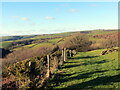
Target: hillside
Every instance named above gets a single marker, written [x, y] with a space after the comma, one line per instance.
[33, 55]
[36, 44]
[88, 70]
[14, 42]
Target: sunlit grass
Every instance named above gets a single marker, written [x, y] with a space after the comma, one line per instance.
[101, 32]
[42, 45]
[89, 70]
[5, 44]
[55, 40]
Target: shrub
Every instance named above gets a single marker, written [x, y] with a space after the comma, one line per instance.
[28, 75]
[109, 43]
[77, 41]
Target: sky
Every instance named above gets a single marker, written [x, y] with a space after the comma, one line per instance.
[25, 18]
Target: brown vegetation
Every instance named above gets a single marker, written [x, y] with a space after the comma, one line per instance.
[77, 41]
[106, 40]
[114, 35]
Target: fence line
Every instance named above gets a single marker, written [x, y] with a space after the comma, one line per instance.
[56, 62]
[42, 68]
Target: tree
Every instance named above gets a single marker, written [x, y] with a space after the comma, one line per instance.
[77, 41]
[109, 43]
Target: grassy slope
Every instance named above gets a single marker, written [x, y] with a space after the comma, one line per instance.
[49, 43]
[10, 38]
[95, 32]
[88, 70]
[55, 40]
[98, 32]
[5, 44]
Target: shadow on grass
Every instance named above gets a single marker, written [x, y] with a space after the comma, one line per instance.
[79, 76]
[61, 78]
[86, 63]
[98, 62]
[95, 82]
[117, 69]
[71, 66]
[71, 62]
[85, 57]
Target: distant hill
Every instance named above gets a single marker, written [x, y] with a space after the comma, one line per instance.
[9, 38]
[11, 42]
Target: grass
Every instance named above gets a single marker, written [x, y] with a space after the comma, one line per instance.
[88, 70]
[42, 44]
[5, 44]
[37, 45]
[26, 46]
[95, 32]
[55, 40]
[33, 46]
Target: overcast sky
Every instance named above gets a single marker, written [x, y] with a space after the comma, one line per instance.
[21, 18]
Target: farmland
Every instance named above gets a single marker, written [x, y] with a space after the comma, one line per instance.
[87, 69]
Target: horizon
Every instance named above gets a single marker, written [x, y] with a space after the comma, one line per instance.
[58, 32]
[28, 18]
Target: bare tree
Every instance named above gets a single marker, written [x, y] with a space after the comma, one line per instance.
[77, 41]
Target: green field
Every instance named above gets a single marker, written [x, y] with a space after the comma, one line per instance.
[5, 44]
[84, 70]
[38, 45]
[88, 70]
[95, 32]
[54, 38]
[42, 45]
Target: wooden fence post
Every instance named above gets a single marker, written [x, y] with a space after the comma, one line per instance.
[30, 70]
[65, 55]
[55, 62]
[48, 66]
[32, 66]
[70, 53]
[62, 56]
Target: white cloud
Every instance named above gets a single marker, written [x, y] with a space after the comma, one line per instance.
[74, 10]
[21, 18]
[24, 19]
[15, 16]
[49, 18]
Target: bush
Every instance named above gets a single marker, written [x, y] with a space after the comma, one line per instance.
[109, 43]
[104, 43]
[78, 41]
[28, 75]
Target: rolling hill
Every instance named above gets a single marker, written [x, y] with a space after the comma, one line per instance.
[87, 69]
